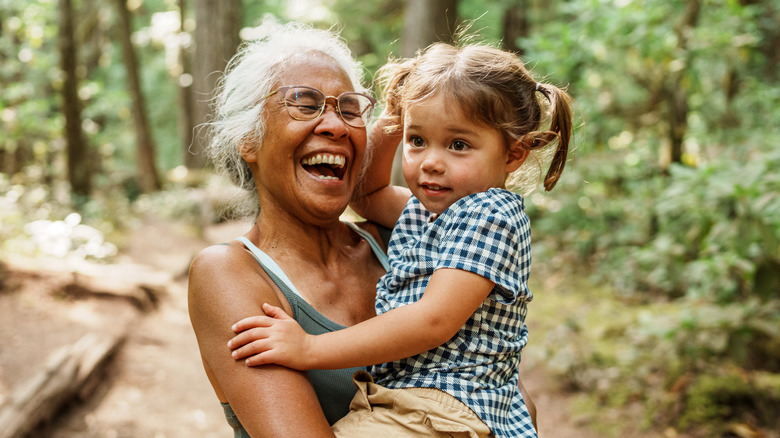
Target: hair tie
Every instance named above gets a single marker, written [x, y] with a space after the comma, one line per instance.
[538, 86]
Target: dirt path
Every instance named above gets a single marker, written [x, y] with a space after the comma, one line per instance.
[158, 388]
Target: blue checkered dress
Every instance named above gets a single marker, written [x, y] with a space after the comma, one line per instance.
[486, 233]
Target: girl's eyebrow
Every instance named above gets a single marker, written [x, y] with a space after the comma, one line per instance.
[451, 130]
[460, 131]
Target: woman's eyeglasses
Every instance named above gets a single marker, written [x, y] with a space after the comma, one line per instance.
[308, 103]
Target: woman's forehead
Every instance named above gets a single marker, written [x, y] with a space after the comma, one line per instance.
[314, 69]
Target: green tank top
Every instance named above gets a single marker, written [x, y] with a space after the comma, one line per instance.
[334, 388]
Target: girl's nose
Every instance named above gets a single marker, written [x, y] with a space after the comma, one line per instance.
[432, 161]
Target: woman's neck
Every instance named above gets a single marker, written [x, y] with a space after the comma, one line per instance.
[333, 268]
[277, 232]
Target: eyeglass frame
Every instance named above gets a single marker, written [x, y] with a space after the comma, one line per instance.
[337, 106]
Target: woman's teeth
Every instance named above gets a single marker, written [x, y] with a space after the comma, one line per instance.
[325, 166]
[335, 160]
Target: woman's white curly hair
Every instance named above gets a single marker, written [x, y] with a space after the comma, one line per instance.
[250, 76]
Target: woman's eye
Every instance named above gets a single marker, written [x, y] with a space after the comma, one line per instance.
[306, 109]
[458, 145]
[416, 141]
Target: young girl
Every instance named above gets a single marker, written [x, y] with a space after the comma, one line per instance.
[452, 308]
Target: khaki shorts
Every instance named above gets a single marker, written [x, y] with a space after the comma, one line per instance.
[379, 412]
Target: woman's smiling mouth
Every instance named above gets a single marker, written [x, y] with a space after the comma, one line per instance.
[325, 166]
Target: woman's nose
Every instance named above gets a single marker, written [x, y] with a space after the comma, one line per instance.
[331, 124]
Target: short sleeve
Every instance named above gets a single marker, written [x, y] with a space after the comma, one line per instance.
[490, 237]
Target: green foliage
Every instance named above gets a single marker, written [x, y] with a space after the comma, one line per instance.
[717, 401]
[707, 232]
[689, 362]
[692, 248]
[29, 66]
[708, 228]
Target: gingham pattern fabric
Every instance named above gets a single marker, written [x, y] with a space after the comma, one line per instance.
[486, 233]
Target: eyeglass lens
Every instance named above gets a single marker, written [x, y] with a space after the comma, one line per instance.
[308, 103]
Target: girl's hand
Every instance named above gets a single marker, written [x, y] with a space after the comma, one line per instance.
[276, 338]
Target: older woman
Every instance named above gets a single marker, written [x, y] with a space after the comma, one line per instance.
[290, 128]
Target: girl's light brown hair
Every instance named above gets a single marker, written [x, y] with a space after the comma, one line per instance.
[492, 87]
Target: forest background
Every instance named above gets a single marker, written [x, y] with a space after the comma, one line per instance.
[662, 241]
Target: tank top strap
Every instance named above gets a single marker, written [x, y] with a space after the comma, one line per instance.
[378, 251]
[271, 268]
[283, 281]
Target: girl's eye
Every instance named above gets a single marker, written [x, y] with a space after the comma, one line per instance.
[416, 141]
[458, 145]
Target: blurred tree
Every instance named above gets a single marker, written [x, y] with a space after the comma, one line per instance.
[216, 40]
[184, 82]
[371, 43]
[148, 178]
[78, 156]
[428, 21]
[425, 22]
[516, 25]
[675, 89]
[769, 26]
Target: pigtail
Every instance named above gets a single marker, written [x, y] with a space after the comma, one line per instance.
[561, 126]
[560, 117]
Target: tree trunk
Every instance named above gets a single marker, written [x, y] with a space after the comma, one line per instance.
[425, 22]
[148, 179]
[70, 373]
[516, 26]
[677, 91]
[216, 40]
[678, 118]
[78, 159]
[428, 21]
[184, 82]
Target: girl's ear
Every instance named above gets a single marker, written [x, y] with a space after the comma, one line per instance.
[516, 157]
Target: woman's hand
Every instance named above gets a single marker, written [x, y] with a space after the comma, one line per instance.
[276, 338]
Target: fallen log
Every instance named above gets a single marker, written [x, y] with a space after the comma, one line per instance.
[71, 372]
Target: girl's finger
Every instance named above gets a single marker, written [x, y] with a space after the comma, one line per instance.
[246, 337]
[251, 322]
[275, 312]
[252, 348]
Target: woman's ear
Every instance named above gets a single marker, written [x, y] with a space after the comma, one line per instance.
[248, 151]
[516, 157]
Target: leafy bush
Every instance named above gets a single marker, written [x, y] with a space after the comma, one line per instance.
[712, 231]
[693, 365]
[729, 399]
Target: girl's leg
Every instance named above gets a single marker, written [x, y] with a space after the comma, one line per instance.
[377, 412]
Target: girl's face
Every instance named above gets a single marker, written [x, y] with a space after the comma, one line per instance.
[447, 156]
[307, 169]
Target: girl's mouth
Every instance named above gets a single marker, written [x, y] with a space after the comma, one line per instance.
[325, 166]
[433, 187]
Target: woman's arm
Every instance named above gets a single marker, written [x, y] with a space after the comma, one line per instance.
[226, 284]
[375, 199]
[451, 297]
[529, 403]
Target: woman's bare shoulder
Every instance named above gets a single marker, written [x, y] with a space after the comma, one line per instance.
[226, 281]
